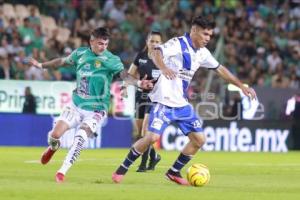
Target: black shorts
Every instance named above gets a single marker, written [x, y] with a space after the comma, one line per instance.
[142, 104]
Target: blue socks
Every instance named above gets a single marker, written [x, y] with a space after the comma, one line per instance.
[181, 161]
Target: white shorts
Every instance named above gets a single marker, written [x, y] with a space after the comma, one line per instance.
[75, 116]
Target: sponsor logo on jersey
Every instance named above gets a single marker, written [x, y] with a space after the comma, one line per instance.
[155, 73]
[97, 64]
[142, 61]
[185, 74]
[84, 73]
[87, 66]
[157, 123]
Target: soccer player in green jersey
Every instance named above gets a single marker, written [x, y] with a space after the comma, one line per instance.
[95, 68]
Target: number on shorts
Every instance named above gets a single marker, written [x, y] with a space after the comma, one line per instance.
[68, 114]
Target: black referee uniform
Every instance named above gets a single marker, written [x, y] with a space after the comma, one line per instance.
[145, 66]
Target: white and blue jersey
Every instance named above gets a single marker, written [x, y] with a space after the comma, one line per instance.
[181, 57]
[171, 95]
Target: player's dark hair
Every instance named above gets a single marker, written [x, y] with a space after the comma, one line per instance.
[154, 33]
[203, 22]
[100, 32]
[150, 34]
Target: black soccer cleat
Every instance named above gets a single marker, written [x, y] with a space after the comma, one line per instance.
[154, 162]
[141, 169]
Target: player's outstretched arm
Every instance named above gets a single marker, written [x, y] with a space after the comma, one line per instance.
[131, 80]
[228, 76]
[57, 62]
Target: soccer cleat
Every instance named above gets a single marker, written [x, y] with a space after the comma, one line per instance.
[176, 177]
[141, 169]
[47, 155]
[154, 162]
[117, 178]
[59, 177]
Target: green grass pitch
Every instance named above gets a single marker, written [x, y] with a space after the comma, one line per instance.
[238, 176]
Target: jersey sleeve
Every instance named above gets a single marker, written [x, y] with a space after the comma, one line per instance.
[72, 58]
[116, 65]
[209, 62]
[170, 48]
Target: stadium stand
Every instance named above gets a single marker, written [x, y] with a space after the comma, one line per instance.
[260, 37]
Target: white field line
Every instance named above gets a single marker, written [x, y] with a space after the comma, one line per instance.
[114, 161]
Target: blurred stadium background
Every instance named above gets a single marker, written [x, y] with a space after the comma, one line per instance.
[258, 40]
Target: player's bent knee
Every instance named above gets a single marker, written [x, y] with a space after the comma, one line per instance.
[152, 137]
[59, 129]
[199, 141]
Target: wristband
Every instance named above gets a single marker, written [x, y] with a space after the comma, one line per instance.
[40, 65]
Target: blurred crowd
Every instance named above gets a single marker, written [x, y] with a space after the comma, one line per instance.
[260, 39]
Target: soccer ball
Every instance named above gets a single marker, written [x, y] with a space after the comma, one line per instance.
[198, 175]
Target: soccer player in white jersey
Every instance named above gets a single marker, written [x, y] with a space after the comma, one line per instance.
[178, 59]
